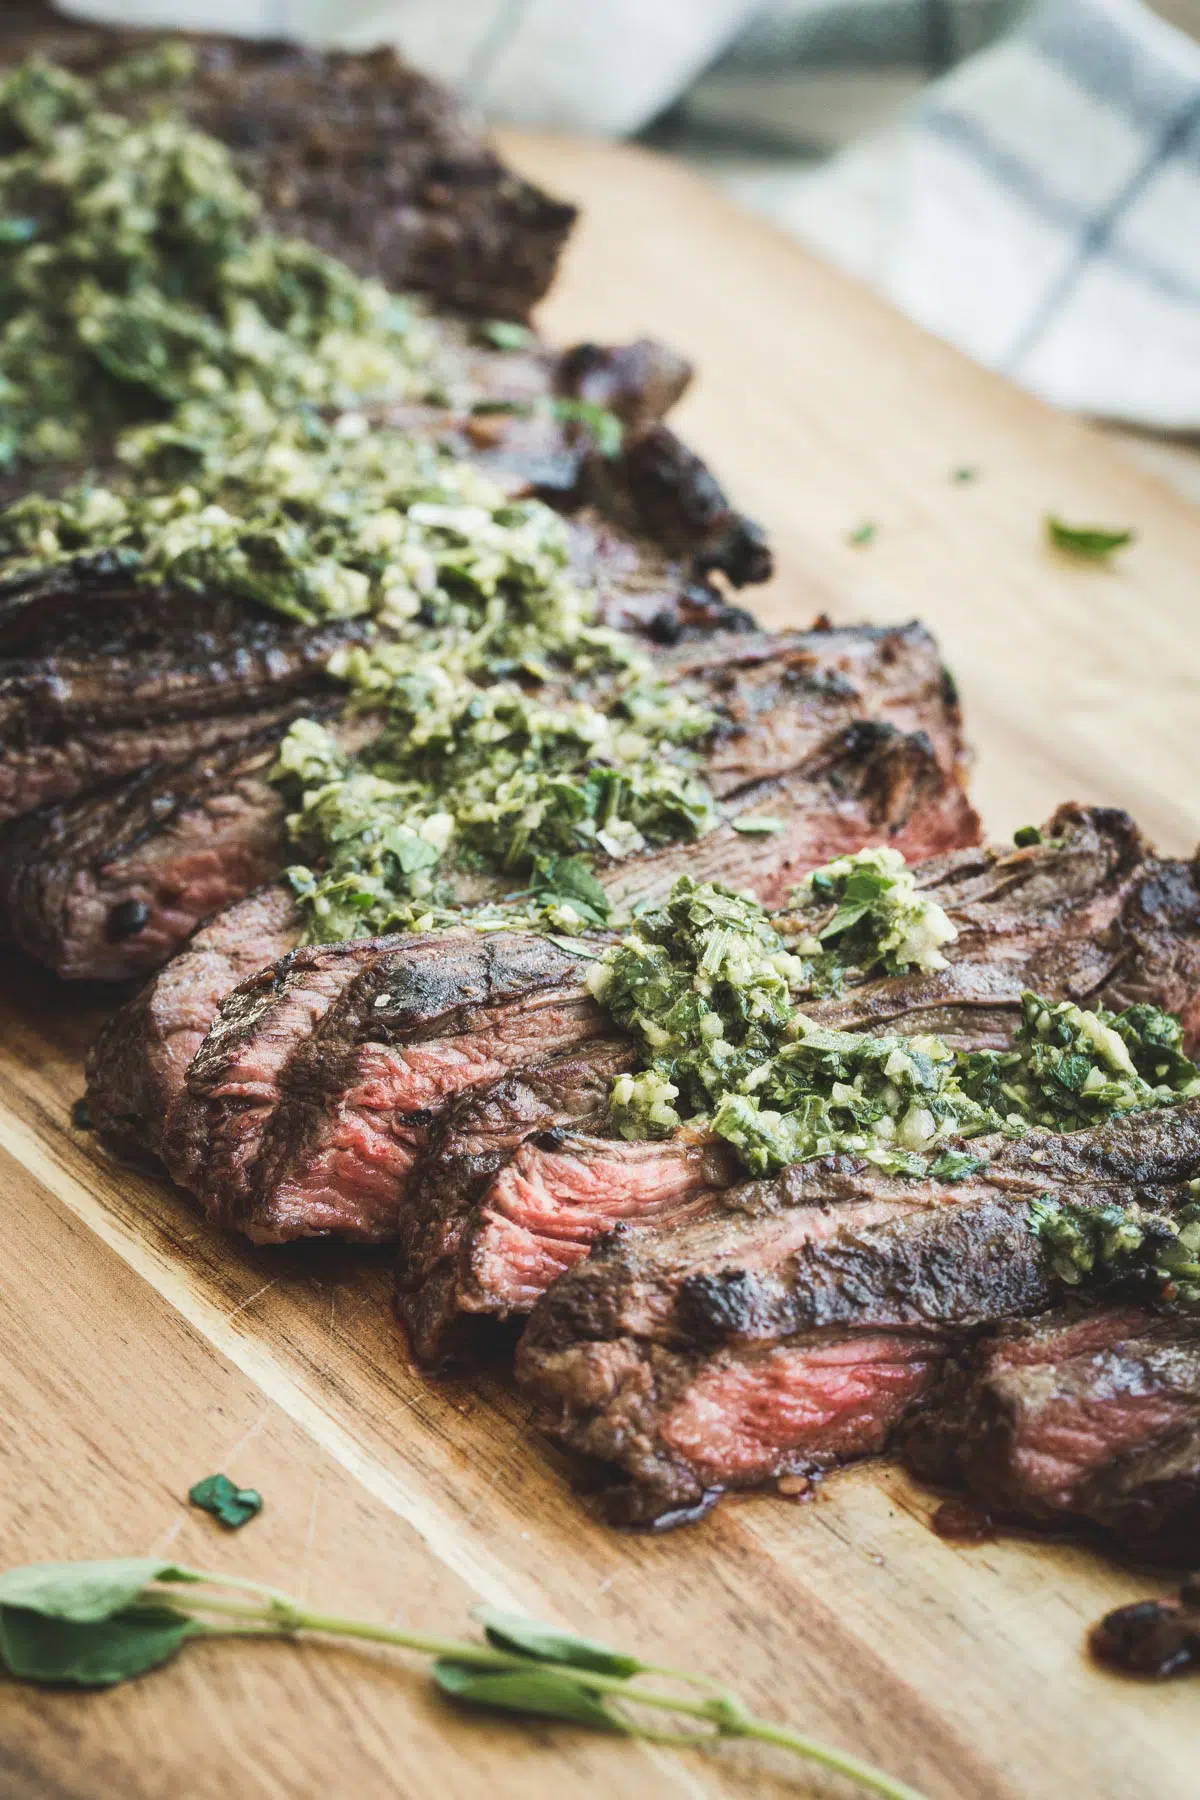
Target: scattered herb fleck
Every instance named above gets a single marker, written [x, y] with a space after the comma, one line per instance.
[1092, 543]
[506, 334]
[1026, 836]
[759, 825]
[965, 473]
[98, 1624]
[233, 1506]
[863, 534]
[81, 1115]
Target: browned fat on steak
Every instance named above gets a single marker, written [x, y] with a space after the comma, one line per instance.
[1067, 917]
[311, 1099]
[359, 154]
[696, 1356]
[1075, 1418]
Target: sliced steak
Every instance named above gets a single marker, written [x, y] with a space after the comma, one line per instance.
[103, 681]
[1089, 1419]
[137, 1066]
[110, 885]
[359, 154]
[343, 1077]
[645, 1354]
[870, 784]
[1051, 916]
[475, 1141]
[497, 1244]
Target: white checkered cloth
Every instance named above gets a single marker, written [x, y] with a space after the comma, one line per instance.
[1040, 208]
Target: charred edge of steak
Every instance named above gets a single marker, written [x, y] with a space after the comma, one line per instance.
[137, 1067]
[1080, 1418]
[359, 154]
[635, 1354]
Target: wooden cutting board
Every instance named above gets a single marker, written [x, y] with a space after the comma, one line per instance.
[140, 1350]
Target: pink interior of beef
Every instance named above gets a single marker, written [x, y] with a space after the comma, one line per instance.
[1075, 1432]
[351, 1176]
[748, 1416]
[547, 1208]
[1067, 1338]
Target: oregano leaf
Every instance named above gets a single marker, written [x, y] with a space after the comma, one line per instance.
[232, 1505]
[525, 1637]
[101, 1652]
[536, 1692]
[85, 1591]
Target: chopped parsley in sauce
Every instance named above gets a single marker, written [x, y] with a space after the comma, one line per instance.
[711, 987]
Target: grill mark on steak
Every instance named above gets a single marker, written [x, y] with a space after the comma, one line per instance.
[108, 687]
[649, 1330]
[359, 154]
[1088, 1418]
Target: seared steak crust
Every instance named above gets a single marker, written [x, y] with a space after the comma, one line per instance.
[651, 1329]
[137, 1066]
[312, 1097]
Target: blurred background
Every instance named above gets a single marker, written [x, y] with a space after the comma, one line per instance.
[1022, 179]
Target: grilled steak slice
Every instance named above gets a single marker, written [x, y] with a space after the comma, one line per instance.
[137, 1066]
[473, 1144]
[339, 1102]
[110, 885]
[490, 1247]
[789, 745]
[636, 1352]
[359, 154]
[1089, 1418]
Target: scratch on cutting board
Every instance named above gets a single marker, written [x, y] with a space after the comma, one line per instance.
[249, 1301]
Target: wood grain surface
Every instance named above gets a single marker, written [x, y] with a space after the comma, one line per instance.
[139, 1349]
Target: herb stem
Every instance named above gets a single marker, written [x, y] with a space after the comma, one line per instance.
[283, 1616]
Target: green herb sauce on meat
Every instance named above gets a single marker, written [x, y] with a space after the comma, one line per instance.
[711, 987]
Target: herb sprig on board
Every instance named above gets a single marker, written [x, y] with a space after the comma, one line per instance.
[96, 1624]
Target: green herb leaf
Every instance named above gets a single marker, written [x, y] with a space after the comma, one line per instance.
[759, 826]
[956, 1165]
[1091, 542]
[506, 334]
[537, 1692]
[233, 1506]
[570, 879]
[866, 533]
[35, 1647]
[525, 1637]
[85, 1591]
[1026, 836]
[965, 473]
[81, 1115]
[608, 433]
